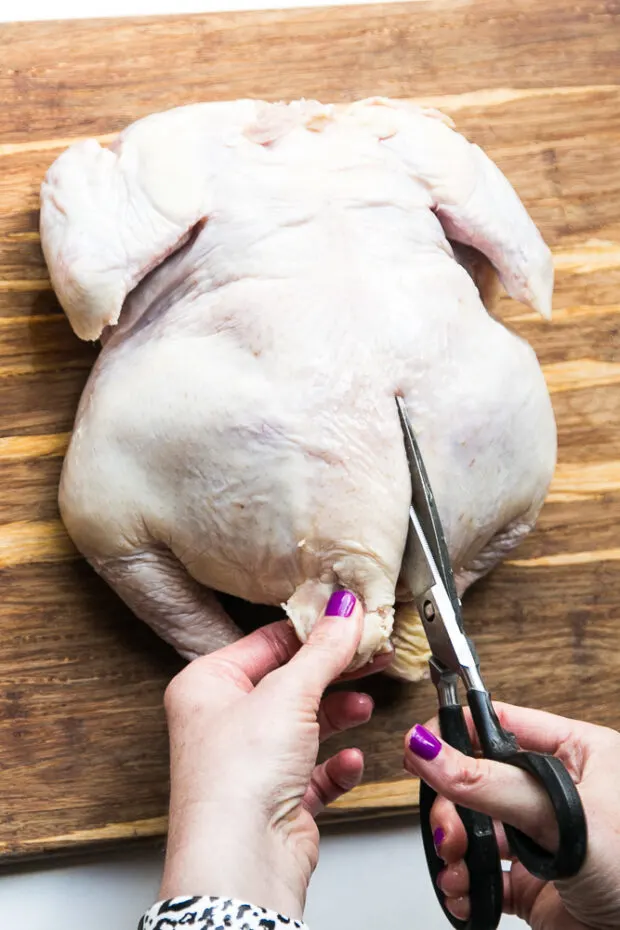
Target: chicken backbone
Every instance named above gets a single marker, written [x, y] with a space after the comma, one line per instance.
[264, 280]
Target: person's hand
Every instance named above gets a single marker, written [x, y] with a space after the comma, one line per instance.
[245, 725]
[591, 900]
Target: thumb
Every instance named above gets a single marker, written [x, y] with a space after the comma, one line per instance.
[330, 646]
[504, 792]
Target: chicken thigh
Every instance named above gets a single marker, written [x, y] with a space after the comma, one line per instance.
[265, 279]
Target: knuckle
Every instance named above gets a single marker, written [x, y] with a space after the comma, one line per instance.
[471, 776]
[188, 689]
[175, 695]
[573, 754]
[217, 666]
[319, 640]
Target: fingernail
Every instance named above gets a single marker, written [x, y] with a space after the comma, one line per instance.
[424, 744]
[438, 838]
[340, 604]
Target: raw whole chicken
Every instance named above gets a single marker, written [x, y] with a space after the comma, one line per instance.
[265, 279]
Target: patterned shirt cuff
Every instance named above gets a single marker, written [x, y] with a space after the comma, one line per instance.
[216, 914]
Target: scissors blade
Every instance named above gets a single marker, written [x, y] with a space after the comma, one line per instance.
[417, 572]
[428, 574]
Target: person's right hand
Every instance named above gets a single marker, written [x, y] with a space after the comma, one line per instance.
[591, 900]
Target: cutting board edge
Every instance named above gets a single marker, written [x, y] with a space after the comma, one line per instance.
[370, 801]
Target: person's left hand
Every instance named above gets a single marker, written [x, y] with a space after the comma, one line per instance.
[245, 725]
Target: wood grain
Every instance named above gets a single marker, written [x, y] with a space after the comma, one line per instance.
[82, 735]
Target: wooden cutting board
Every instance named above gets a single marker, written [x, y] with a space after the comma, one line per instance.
[82, 735]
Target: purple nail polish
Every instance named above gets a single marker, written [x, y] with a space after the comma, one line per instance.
[438, 837]
[340, 604]
[423, 744]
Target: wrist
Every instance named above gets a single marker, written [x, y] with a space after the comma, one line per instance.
[211, 851]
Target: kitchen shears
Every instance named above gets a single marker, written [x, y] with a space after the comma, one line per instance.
[427, 572]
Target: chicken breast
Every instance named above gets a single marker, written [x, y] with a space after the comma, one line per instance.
[265, 278]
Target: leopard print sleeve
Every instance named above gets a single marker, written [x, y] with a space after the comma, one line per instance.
[215, 914]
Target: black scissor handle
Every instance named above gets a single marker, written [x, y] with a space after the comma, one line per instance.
[551, 774]
[570, 817]
[482, 857]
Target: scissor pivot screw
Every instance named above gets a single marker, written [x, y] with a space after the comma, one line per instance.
[429, 611]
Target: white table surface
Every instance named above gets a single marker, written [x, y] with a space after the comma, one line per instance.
[370, 877]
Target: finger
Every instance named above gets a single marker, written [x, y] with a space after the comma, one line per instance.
[342, 711]
[450, 836]
[505, 852]
[334, 778]
[459, 907]
[520, 891]
[330, 646]
[221, 677]
[254, 656]
[449, 833]
[504, 792]
[376, 665]
[454, 880]
[535, 730]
